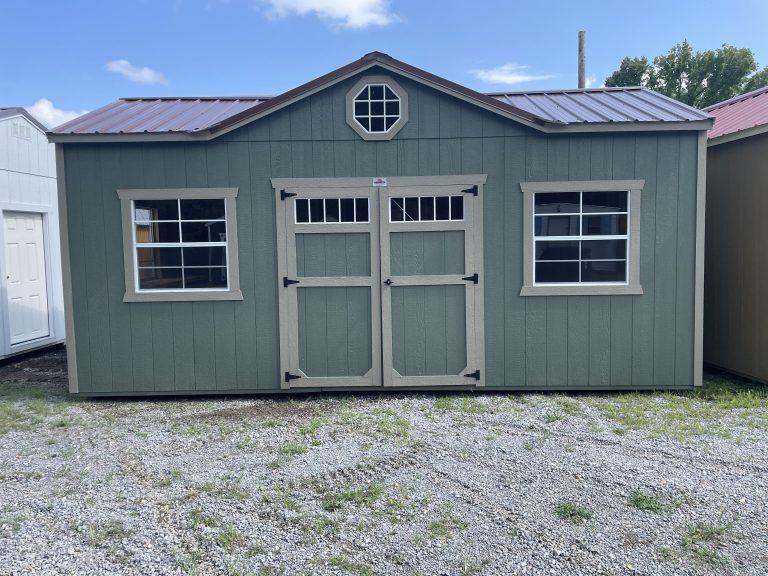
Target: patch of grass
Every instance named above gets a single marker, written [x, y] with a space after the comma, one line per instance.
[10, 524]
[360, 496]
[573, 512]
[553, 417]
[198, 518]
[464, 403]
[470, 567]
[702, 539]
[390, 423]
[188, 563]
[709, 410]
[344, 563]
[223, 488]
[99, 534]
[647, 501]
[445, 526]
[312, 426]
[665, 553]
[230, 538]
[287, 452]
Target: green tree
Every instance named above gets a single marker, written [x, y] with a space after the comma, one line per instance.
[695, 78]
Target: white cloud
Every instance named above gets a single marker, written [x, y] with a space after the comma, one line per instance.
[353, 14]
[509, 73]
[48, 114]
[139, 74]
[589, 81]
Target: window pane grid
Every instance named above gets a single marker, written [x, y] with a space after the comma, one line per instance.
[181, 280]
[376, 108]
[581, 269]
[426, 209]
[331, 211]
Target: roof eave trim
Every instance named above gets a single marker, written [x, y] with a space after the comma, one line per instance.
[740, 135]
[636, 126]
[200, 136]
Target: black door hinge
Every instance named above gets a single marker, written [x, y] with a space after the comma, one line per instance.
[284, 194]
[473, 190]
[474, 278]
[475, 375]
[289, 377]
[287, 281]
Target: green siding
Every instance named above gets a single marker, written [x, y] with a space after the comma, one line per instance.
[542, 342]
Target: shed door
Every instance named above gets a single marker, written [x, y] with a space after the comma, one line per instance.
[431, 269]
[25, 276]
[330, 296]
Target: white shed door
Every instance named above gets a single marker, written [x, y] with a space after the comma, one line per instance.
[25, 276]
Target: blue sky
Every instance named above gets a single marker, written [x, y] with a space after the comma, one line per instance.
[65, 57]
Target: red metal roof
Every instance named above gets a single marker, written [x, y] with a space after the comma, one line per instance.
[190, 115]
[592, 105]
[740, 113]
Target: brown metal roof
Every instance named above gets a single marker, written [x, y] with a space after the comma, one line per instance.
[635, 104]
[739, 114]
[209, 116]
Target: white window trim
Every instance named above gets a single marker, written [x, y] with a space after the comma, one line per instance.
[632, 284]
[133, 293]
[350, 107]
[384, 100]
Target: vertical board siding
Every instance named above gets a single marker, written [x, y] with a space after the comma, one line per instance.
[537, 342]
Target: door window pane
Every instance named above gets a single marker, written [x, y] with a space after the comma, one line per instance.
[331, 209]
[302, 210]
[457, 208]
[347, 209]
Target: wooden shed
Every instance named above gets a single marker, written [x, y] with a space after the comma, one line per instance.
[31, 297]
[383, 228]
[736, 287]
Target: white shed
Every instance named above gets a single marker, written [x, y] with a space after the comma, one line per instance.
[31, 301]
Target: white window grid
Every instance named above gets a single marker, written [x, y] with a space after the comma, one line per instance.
[579, 238]
[180, 244]
[434, 209]
[325, 220]
[383, 100]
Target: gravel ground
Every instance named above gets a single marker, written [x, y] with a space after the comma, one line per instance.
[381, 484]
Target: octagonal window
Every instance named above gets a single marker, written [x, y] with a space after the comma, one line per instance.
[377, 108]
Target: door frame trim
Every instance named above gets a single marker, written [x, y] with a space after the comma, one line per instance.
[6, 348]
[288, 294]
[473, 260]
[288, 317]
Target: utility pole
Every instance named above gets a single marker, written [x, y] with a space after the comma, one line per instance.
[582, 59]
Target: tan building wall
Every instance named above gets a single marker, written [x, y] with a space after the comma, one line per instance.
[736, 265]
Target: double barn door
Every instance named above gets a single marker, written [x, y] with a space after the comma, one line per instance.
[380, 285]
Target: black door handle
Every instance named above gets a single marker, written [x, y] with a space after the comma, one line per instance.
[388, 282]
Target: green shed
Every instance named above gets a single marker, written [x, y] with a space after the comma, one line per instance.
[381, 227]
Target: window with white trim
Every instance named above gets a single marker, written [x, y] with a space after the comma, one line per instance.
[180, 244]
[581, 237]
[377, 108]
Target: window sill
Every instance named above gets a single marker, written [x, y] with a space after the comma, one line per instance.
[593, 290]
[189, 296]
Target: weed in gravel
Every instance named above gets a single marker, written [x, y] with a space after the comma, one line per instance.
[647, 501]
[702, 539]
[99, 534]
[188, 563]
[350, 566]
[198, 518]
[312, 426]
[470, 566]
[287, 452]
[573, 512]
[360, 496]
[665, 553]
[255, 550]
[223, 488]
[445, 526]
[685, 414]
[10, 524]
[390, 423]
[230, 538]
[464, 403]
